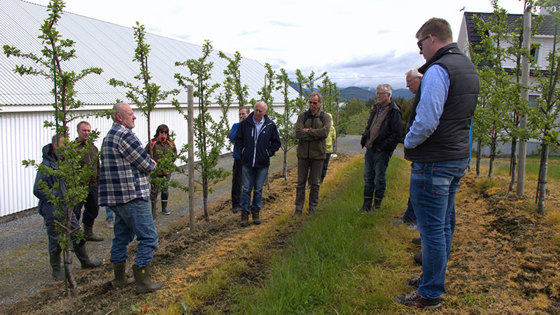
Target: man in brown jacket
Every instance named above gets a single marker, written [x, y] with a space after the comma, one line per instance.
[312, 128]
[91, 204]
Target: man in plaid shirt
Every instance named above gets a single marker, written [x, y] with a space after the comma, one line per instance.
[125, 188]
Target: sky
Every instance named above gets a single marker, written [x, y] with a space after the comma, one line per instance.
[357, 42]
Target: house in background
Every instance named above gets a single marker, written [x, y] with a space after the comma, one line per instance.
[541, 44]
[26, 100]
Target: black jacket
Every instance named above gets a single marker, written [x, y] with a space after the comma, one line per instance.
[257, 153]
[46, 208]
[390, 132]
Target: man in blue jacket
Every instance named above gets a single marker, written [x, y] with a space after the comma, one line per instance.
[236, 179]
[257, 140]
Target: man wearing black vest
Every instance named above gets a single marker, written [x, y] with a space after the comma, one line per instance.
[437, 143]
[312, 129]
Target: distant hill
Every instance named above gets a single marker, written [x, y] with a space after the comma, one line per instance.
[365, 93]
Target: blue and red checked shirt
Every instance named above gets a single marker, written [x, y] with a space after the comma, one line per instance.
[124, 168]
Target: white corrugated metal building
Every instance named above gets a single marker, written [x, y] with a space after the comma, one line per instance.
[26, 100]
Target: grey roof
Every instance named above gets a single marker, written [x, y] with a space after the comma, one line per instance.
[99, 44]
[546, 26]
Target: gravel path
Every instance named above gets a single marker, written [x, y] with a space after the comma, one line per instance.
[23, 243]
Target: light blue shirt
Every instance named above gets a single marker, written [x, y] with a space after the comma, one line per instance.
[258, 126]
[434, 90]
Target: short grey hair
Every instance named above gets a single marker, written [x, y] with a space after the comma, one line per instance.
[117, 109]
[385, 86]
[413, 72]
[319, 96]
[57, 139]
[263, 104]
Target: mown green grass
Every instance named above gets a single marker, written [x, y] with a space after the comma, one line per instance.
[341, 261]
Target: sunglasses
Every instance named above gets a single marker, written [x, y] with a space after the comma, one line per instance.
[313, 103]
[419, 43]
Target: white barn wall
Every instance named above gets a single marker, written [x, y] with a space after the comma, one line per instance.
[23, 137]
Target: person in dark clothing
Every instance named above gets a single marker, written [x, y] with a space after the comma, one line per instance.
[382, 134]
[236, 178]
[91, 204]
[257, 140]
[438, 145]
[51, 216]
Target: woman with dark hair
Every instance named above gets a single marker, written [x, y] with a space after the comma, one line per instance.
[159, 148]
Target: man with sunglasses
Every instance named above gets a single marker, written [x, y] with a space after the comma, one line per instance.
[312, 129]
[437, 143]
[382, 134]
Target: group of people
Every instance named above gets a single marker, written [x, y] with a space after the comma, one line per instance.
[437, 142]
[120, 182]
[256, 139]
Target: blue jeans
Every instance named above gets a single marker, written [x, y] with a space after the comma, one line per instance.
[374, 173]
[109, 214]
[134, 218]
[253, 180]
[408, 216]
[432, 193]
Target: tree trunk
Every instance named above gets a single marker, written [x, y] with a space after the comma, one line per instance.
[543, 170]
[205, 197]
[492, 158]
[285, 167]
[478, 156]
[67, 255]
[513, 164]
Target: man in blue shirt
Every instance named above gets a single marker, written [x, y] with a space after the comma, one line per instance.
[437, 144]
[236, 178]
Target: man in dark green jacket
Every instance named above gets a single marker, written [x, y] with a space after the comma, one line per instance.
[312, 129]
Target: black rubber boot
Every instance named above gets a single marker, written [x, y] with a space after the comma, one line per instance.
[84, 259]
[244, 218]
[90, 236]
[366, 207]
[256, 218]
[143, 282]
[57, 269]
[297, 213]
[377, 204]
[121, 279]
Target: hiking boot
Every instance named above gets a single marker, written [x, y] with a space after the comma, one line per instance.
[143, 282]
[235, 209]
[366, 206]
[417, 241]
[84, 259]
[256, 219]
[57, 270]
[377, 204]
[90, 236]
[297, 213]
[416, 300]
[414, 282]
[418, 258]
[164, 208]
[121, 279]
[244, 218]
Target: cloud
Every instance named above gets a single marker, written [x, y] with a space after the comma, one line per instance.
[383, 32]
[281, 23]
[247, 33]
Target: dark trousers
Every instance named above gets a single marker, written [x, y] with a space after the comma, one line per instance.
[91, 207]
[308, 168]
[53, 235]
[409, 216]
[325, 166]
[236, 183]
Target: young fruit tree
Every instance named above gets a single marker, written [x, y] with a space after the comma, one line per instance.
[69, 181]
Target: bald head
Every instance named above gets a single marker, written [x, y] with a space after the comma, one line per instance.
[260, 111]
[123, 114]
